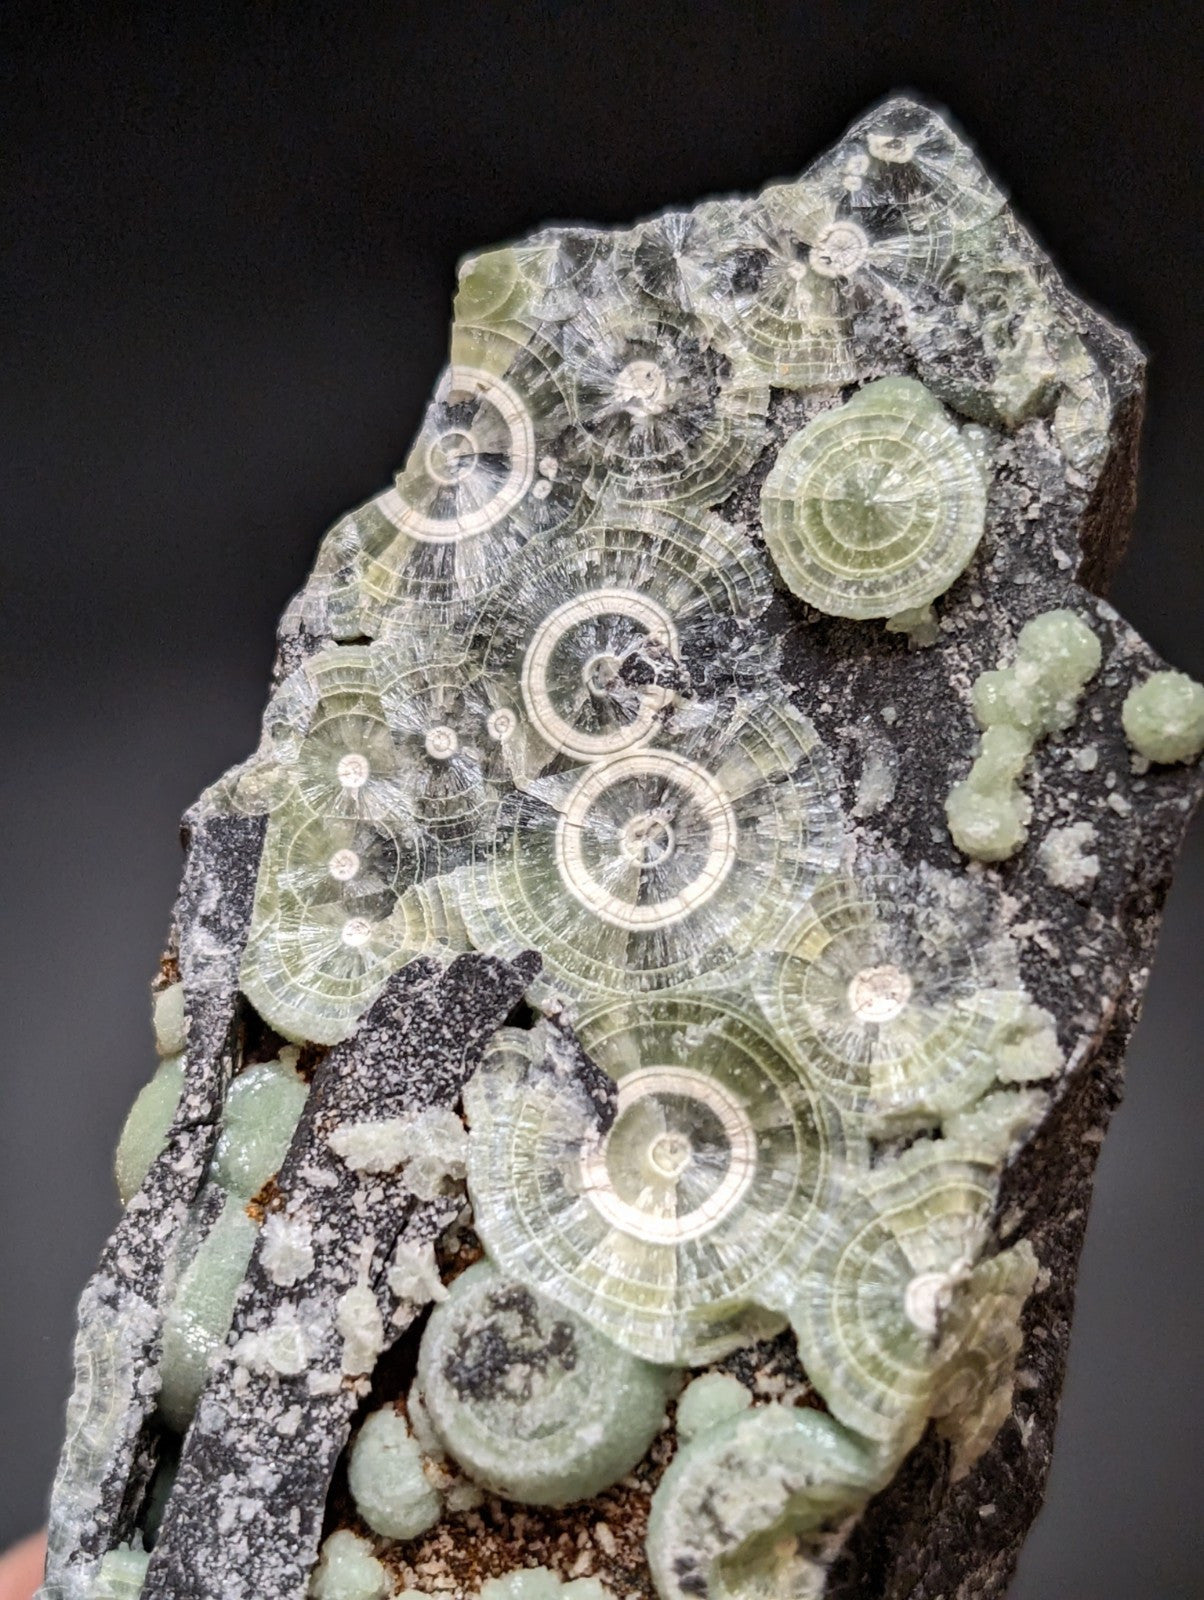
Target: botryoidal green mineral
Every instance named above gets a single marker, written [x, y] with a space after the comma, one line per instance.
[528, 1399]
[1164, 717]
[261, 1110]
[1056, 656]
[348, 1570]
[603, 676]
[386, 1476]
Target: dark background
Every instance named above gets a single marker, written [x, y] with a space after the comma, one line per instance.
[228, 257]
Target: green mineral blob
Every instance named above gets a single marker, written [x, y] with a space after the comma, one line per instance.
[993, 1128]
[169, 1020]
[540, 1583]
[262, 1109]
[201, 1311]
[1026, 1045]
[385, 1473]
[347, 1570]
[146, 1127]
[528, 1398]
[873, 509]
[708, 1400]
[1056, 655]
[121, 1574]
[1164, 717]
[742, 1506]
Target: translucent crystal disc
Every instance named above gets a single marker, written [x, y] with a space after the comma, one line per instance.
[876, 507]
[887, 983]
[649, 869]
[701, 1200]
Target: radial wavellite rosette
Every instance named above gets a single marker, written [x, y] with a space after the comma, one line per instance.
[584, 643]
[664, 265]
[891, 983]
[872, 1311]
[876, 507]
[358, 866]
[497, 461]
[671, 419]
[904, 159]
[528, 1398]
[742, 1510]
[652, 867]
[451, 748]
[668, 1229]
[770, 312]
[536, 283]
[855, 251]
[335, 912]
[974, 1393]
[326, 743]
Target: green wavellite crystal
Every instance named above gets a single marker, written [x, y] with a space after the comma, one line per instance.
[541, 1583]
[547, 694]
[872, 1311]
[709, 1400]
[744, 1506]
[348, 1570]
[528, 1398]
[894, 988]
[672, 1229]
[875, 508]
[647, 868]
[385, 1473]
[201, 1308]
[261, 1111]
[1164, 717]
[144, 1133]
[1057, 655]
[121, 1574]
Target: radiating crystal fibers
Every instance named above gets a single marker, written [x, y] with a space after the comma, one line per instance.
[580, 982]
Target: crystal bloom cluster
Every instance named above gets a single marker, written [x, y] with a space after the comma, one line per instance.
[534, 703]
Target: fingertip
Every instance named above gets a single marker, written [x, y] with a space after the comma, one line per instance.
[21, 1568]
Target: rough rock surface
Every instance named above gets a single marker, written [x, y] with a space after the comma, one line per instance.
[254, 1491]
[257, 1462]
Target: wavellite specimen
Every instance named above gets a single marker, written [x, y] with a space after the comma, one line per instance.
[1056, 656]
[677, 1226]
[636, 1032]
[1164, 717]
[530, 1400]
[746, 1504]
[875, 508]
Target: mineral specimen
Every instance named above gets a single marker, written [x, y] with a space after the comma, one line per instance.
[528, 1398]
[1164, 717]
[585, 979]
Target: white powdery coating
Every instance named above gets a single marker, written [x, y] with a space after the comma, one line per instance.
[1064, 859]
[432, 1143]
[372, 1146]
[287, 1345]
[359, 1321]
[286, 1251]
[414, 1275]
